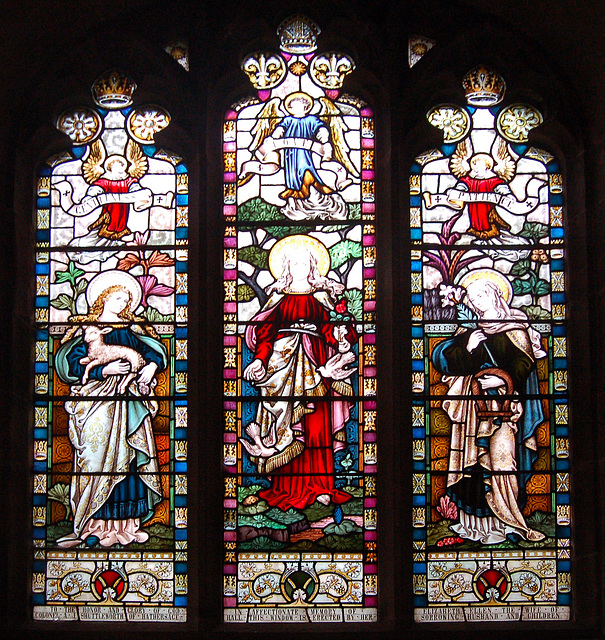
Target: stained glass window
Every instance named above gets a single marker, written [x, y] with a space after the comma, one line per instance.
[490, 419]
[299, 341]
[110, 432]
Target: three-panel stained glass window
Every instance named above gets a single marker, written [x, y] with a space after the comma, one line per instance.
[489, 411]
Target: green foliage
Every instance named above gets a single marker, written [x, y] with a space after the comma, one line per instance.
[536, 312]
[258, 507]
[354, 299]
[259, 520]
[257, 210]
[343, 529]
[355, 211]
[534, 231]
[262, 543]
[60, 493]
[318, 511]
[254, 255]
[344, 251]
[62, 301]
[302, 545]
[70, 275]
[285, 517]
[356, 492]
[353, 508]
[543, 522]
[153, 315]
[521, 268]
[245, 293]
[281, 232]
[534, 285]
[244, 492]
[352, 542]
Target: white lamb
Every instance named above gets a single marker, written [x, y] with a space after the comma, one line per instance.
[100, 353]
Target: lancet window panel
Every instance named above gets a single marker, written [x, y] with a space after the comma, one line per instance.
[110, 418]
[299, 342]
[490, 414]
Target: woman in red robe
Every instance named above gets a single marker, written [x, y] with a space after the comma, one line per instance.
[302, 367]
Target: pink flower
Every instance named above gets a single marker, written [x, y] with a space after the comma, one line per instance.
[448, 542]
[447, 508]
[151, 287]
[141, 239]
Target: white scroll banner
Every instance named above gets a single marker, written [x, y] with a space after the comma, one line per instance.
[456, 199]
[140, 200]
[268, 162]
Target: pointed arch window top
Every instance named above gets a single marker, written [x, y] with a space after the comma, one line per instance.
[488, 264]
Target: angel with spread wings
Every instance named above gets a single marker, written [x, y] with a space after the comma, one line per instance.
[483, 185]
[301, 136]
[116, 174]
[480, 173]
[114, 187]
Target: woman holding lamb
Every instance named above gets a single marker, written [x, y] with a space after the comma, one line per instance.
[116, 482]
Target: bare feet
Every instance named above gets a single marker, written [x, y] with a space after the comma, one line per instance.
[69, 541]
[324, 498]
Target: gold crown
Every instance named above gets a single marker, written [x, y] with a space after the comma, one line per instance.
[298, 34]
[113, 90]
[483, 87]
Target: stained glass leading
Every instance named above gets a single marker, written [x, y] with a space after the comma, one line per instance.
[299, 342]
[110, 431]
[491, 515]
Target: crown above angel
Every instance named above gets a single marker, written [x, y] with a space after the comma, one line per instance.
[298, 34]
[113, 90]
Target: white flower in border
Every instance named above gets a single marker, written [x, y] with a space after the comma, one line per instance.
[453, 121]
[81, 125]
[145, 123]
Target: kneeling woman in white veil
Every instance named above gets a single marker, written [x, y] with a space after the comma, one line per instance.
[490, 368]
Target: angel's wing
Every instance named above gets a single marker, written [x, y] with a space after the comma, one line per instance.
[330, 115]
[137, 160]
[265, 124]
[459, 165]
[92, 167]
[505, 166]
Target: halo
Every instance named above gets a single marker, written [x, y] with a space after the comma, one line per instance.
[291, 244]
[499, 279]
[106, 279]
[298, 95]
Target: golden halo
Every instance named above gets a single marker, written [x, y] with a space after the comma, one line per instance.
[299, 95]
[106, 279]
[291, 244]
[500, 280]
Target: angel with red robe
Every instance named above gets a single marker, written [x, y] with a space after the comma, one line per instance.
[114, 188]
[484, 188]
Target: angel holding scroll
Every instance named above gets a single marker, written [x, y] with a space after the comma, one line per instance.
[114, 187]
[314, 155]
[484, 186]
